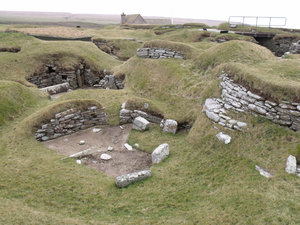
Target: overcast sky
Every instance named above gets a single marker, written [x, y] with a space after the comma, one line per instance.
[197, 9]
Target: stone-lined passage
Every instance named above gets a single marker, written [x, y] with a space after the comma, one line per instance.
[70, 121]
[240, 99]
[158, 53]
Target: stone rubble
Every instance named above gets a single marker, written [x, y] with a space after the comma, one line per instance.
[158, 53]
[263, 172]
[160, 153]
[127, 179]
[70, 121]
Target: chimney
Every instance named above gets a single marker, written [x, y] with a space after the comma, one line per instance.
[123, 18]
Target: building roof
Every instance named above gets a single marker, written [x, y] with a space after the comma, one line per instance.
[159, 21]
[131, 18]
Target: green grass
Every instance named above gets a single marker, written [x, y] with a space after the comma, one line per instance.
[203, 181]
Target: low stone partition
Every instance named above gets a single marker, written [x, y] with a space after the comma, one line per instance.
[70, 121]
[240, 99]
[80, 76]
[127, 116]
[158, 53]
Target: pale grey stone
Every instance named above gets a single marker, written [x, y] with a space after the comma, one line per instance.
[263, 172]
[211, 104]
[224, 138]
[298, 107]
[110, 148]
[160, 153]
[127, 179]
[128, 147]
[291, 164]
[78, 161]
[141, 124]
[170, 126]
[254, 95]
[271, 103]
[96, 130]
[257, 109]
[105, 156]
[241, 124]
[212, 116]
[82, 142]
[232, 121]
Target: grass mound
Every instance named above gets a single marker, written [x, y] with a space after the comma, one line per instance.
[234, 51]
[15, 98]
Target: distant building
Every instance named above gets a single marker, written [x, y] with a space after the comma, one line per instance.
[138, 19]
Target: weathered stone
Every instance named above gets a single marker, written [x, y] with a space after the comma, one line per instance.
[55, 89]
[127, 179]
[110, 148]
[213, 116]
[254, 95]
[128, 147]
[160, 153]
[257, 109]
[224, 138]
[170, 126]
[291, 165]
[263, 172]
[211, 104]
[141, 124]
[241, 124]
[105, 156]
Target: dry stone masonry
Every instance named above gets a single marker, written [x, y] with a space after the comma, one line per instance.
[240, 99]
[80, 76]
[127, 116]
[158, 53]
[215, 110]
[70, 121]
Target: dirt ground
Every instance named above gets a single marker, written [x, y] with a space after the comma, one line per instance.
[122, 162]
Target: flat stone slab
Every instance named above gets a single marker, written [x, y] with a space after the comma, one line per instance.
[127, 179]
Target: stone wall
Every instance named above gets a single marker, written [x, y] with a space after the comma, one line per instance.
[279, 46]
[240, 99]
[158, 53]
[80, 76]
[70, 121]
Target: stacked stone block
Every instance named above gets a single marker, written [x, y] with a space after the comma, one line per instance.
[158, 53]
[70, 121]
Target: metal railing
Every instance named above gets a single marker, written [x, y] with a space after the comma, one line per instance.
[268, 21]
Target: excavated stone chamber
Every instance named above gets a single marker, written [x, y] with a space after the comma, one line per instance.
[54, 79]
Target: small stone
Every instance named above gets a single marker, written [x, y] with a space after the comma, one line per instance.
[82, 142]
[121, 127]
[263, 172]
[128, 147]
[105, 157]
[146, 105]
[78, 161]
[241, 124]
[298, 107]
[96, 130]
[291, 165]
[136, 145]
[213, 116]
[110, 148]
[224, 138]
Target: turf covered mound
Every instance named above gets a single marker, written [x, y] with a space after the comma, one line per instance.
[234, 51]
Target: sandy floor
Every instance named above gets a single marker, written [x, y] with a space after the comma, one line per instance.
[122, 161]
